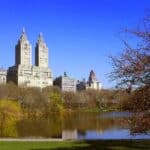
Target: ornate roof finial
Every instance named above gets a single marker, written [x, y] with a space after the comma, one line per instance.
[92, 76]
[41, 34]
[41, 37]
[23, 30]
[65, 74]
[23, 35]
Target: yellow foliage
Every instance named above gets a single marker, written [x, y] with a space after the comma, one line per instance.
[10, 113]
[56, 102]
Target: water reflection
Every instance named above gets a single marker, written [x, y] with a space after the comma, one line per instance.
[70, 134]
[83, 126]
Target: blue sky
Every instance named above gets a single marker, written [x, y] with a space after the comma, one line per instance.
[80, 34]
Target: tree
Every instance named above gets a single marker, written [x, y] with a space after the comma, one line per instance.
[10, 113]
[56, 102]
[132, 67]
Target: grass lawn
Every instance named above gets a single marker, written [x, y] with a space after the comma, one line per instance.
[76, 145]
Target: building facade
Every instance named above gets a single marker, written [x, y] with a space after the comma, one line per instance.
[81, 85]
[3, 74]
[66, 83]
[23, 72]
[92, 83]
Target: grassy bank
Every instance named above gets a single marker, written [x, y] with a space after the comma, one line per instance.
[75, 145]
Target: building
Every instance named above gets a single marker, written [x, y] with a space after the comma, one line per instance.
[81, 85]
[3, 74]
[23, 72]
[92, 83]
[66, 83]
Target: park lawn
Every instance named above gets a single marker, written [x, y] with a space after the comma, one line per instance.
[76, 145]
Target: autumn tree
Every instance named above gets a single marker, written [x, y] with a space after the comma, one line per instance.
[132, 67]
[10, 113]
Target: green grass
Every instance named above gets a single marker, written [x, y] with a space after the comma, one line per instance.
[76, 145]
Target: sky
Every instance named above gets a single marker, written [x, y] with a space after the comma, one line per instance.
[80, 34]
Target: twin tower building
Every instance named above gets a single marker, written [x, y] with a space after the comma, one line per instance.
[40, 75]
[23, 72]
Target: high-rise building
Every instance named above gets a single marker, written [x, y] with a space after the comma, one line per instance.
[41, 53]
[23, 51]
[23, 72]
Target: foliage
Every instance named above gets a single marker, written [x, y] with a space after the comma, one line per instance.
[9, 91]
[56, 102]
[72, 100]
[37, 102]
[10, 113]
[132, 67]
[140, 123]
[140, 99]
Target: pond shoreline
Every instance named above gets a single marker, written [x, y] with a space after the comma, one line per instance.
[30, 139]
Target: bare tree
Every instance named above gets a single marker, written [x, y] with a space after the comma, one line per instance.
[132, 67]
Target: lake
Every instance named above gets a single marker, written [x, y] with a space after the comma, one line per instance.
[107, 125]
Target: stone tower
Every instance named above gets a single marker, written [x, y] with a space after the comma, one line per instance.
[41, 53]
[93, 83]
[23, 73]
[92, 76]
[23, 51]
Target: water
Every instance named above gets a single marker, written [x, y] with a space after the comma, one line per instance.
[114, 125]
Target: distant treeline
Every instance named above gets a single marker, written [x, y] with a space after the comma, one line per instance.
[41, 102]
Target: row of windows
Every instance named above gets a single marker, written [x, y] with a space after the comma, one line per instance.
[2, 78]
